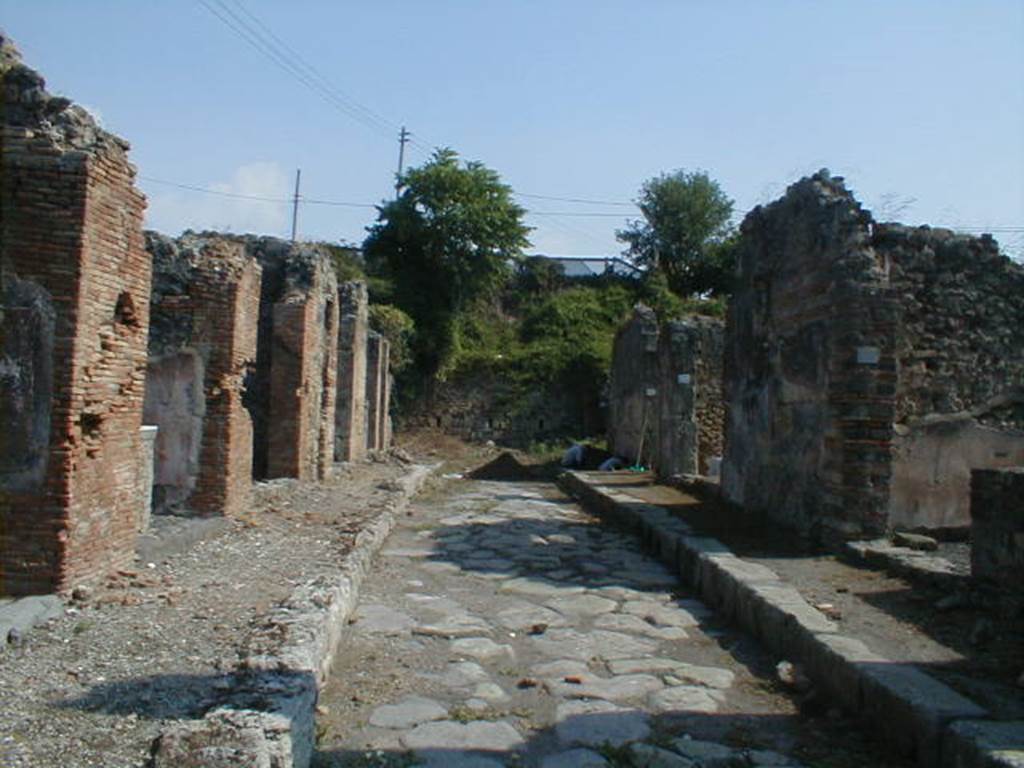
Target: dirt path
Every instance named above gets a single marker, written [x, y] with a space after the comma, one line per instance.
[503, 625]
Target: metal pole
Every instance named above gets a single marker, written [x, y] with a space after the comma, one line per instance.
[295, 203]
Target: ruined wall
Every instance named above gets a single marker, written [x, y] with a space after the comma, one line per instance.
[666, 393]
[633, 387]
[202, 347]
[378, 355]
[960, 356]
[869, 367]
[74, 314]
[997, 526]
[810, 368]
[291, 393]
[350, 418]
[689, 403]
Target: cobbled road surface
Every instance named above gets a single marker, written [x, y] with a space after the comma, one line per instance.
[502, 625]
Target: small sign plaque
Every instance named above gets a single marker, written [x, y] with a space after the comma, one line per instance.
[868, 355]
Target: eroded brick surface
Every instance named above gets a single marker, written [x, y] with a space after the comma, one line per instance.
[74, 281]
[202, 348]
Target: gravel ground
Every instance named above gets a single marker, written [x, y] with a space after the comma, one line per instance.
[158, 642]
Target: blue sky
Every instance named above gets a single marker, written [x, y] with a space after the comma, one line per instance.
[919, 105]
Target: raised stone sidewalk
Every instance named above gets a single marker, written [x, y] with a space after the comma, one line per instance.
[919, 716]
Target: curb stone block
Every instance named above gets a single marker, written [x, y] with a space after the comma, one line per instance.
[833, 661]
[984, 744]
[783, 620]
[912, 708]
[692, 550]
[733, 577]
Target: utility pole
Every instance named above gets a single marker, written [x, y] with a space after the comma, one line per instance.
[295, 203]
[403, 137]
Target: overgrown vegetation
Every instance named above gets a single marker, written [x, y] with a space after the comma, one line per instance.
[686, 233]
[452, 292]
[446, 245]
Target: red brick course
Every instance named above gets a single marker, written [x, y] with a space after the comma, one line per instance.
[303, 374]
[219, 315]
[71, 226]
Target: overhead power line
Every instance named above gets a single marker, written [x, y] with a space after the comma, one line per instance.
[283, 56]
[259, 198]
[999, 229]
[580, 200]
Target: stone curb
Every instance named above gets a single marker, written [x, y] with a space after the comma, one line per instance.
[919, 716]
[269, 720]
[908, 563]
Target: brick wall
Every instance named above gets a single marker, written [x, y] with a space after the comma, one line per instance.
[291, 392]
[303, 367]
[351, 413]
[75, 278]
[202, 346]
[997, 526]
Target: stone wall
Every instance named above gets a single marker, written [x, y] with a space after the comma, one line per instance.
[350, 436]
[632, 389]
[868, 367]
[810, 365]
[486, 405]
[689, 402]
[997, 526]
[665, 400]
[202, 347]
[960, 356]
[74, 314]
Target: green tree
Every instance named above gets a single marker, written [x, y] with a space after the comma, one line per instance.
[446, 244]
[685, 233]
[397, 327]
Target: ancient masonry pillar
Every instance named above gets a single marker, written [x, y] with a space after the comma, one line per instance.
[74, 316]
[302, 376]
[384, 428]
[376, 375]
[350, 437]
